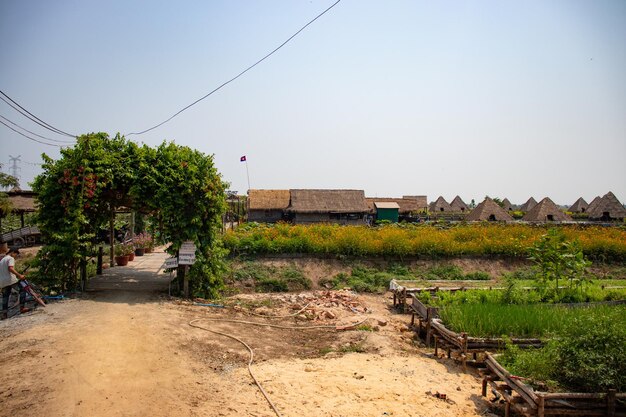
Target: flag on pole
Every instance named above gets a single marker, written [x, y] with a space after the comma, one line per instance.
[242, 159]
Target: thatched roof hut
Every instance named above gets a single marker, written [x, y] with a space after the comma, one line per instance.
[594, 203]
[22, 201]
[458, 205]
[407, 205]
[528, 205]
[489, 210]
[268, 199]
[546, 211]
[328, 201]
[440, 206]
[580, 206]
[506, 204]
[608, 208]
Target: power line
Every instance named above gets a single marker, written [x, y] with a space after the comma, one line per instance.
[28, 137]
[238, 75]
[33, 133]
[31, 116]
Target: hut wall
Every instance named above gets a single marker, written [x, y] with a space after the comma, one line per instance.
[265, 216]
[307, 218]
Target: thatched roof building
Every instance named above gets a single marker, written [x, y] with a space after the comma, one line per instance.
[458, 205]
[489, 210]
[439, 206]
[528, 205]
[506, 204]
[580, 206]
[406, 205]
[267, 205]
[546, 211]
[334, 206]
[422, 201]
[608, 208]
[22, 201]
[268, 199]
[594, 203]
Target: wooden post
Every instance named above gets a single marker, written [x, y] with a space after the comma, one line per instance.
[610, 403]
[186, 282]
[112, 238]
[22, 218]
[485, 382]
[132, 225]
[541, 406]
[436, 347]
[100, 255]
[83, 273]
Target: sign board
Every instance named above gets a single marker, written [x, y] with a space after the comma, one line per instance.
[171, 263]
[187, 253]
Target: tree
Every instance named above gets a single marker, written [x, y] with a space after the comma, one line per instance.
[79, 193]
[6, 180]
[559, 259]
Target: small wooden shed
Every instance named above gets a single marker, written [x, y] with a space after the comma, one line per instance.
[387, 211]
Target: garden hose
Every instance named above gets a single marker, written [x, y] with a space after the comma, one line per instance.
[192, 323]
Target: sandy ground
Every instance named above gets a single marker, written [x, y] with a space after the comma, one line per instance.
[124, 350]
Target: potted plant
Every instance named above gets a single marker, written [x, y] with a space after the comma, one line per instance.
[141, 242]
[130, 251]
[121, 255]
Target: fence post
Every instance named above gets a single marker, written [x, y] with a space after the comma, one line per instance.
[100, 255]
[610, 402]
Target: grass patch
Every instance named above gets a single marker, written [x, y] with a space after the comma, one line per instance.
[264, 278]
[353, 348]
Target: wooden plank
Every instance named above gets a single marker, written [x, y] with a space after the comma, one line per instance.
[521, 389]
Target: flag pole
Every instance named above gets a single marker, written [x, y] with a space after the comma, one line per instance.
[248, 173]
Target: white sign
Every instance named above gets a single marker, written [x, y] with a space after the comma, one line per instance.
[171, 263]
[187, 253]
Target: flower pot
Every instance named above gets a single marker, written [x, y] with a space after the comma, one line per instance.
[148, 250]
[121, 260]
[131, 257]
[139, 251]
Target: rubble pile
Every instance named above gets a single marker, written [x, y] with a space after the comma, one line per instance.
[320, 305]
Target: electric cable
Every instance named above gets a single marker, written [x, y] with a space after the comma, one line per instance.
[28, 137]
[31, 116]
[238, 75]
[33, 133]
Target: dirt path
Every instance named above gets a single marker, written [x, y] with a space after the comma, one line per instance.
[128, 352]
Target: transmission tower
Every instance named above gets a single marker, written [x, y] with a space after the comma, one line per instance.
[14, 168]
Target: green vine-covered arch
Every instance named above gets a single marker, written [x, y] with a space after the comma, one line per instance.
[78, 193]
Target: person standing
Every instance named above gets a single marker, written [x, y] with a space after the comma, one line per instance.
[9, 279]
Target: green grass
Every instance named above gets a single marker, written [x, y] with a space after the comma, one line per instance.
[539, 320]
[271, 279]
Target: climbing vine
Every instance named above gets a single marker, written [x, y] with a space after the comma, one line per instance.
[178, 187]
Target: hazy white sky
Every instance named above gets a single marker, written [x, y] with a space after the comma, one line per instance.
[501, 98]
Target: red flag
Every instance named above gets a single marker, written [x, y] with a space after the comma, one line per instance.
[242, 159]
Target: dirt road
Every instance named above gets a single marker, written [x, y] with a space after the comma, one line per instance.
[127, 351]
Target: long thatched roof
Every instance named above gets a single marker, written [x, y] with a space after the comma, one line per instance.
[528, 205]
[407, 205]
[489, 210]
[458, 205]
[544, 211]
[580, 206]
[328, 201]
[608, 204]
[268, 199]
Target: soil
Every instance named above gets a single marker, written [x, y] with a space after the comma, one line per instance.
[133, 353]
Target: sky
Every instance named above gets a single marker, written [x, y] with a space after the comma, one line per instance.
[471, 98]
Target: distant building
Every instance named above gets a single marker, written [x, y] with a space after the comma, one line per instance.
[528, 205]
[489, 210]
[439, 206]
[409, 206]
[459, 206]
[506, 205]
[331, 206]
[580, 206]
[387, 211]
[267, 205]
[607, 209]
[546, 211]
